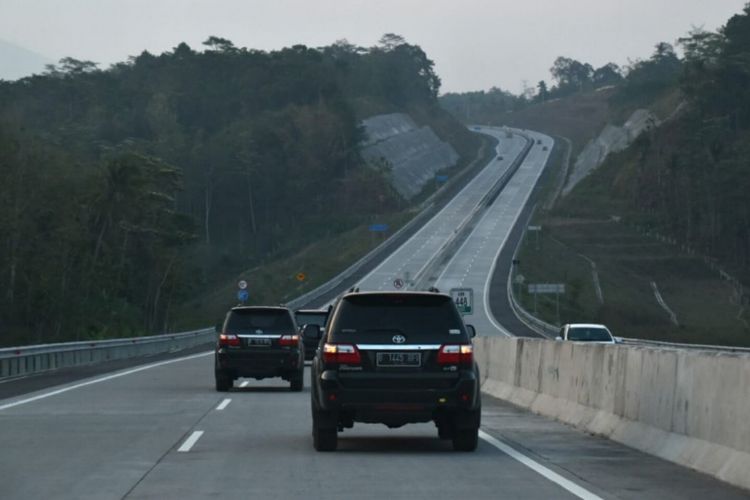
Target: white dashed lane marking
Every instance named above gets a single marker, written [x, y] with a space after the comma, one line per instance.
[190, 442]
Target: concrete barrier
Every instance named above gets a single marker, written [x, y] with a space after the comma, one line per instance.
[689, 407]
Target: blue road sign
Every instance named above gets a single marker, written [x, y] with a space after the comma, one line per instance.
[242, 295]
[378, 228]
[441, 178]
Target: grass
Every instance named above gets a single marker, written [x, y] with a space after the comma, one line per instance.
[592, 225]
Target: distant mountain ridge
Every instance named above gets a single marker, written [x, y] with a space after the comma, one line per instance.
[17, 62]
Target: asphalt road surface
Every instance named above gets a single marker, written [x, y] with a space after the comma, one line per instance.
[408, 261]
[161, 431]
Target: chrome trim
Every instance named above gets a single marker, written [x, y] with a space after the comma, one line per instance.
[400, 347]
[276, 336]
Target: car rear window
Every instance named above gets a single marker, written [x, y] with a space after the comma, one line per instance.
[422, 319]
[311, 318]
[259, 321]
[586, 334]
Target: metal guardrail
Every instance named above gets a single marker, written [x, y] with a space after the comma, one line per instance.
[25, 360]
[676, 345]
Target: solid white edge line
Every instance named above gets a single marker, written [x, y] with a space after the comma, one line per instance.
[190, 442]
[556, 478]
[223, 404]
[101, 379]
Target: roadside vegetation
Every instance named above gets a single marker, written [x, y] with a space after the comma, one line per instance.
[128, 192]
[670, 214]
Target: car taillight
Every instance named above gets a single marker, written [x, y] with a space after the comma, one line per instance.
[289, 340]
[341, 354]
[229, 340]
[456, 354]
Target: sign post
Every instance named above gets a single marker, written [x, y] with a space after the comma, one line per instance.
[548, 288]
[464, 299]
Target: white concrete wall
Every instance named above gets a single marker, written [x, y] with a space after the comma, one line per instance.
[690, 407]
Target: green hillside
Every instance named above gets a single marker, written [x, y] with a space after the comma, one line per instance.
[127, 191]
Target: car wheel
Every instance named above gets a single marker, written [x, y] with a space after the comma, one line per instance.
[223, 381]
[325, 438]
[466, 439]
[297, 381]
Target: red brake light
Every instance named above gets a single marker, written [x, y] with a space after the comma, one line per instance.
[289, 340]
[456, 354]
[229, 340]
[341, 354]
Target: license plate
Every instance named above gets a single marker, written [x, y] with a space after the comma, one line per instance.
[259, 342]
[399, 359]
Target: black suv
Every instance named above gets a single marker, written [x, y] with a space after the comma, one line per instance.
[396, 358]
[315, 317]
[259, 342]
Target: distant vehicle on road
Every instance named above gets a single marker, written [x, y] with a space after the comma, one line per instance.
[499, 158]
[396, 358]
[586, 332]
[315, 317]
[259, 342]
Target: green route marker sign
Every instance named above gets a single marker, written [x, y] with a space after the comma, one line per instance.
[464, 299]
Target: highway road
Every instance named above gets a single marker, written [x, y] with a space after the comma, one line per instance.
[409, 260]
[473, 263]
[161, 431]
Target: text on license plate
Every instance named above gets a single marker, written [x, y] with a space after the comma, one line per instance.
[399, 359]
[259, 342]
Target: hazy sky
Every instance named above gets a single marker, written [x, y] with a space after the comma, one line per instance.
[476, 44]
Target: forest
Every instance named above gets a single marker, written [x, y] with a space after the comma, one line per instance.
[690, 178]
[123, 191]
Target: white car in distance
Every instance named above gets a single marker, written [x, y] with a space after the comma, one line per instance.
[586, 332]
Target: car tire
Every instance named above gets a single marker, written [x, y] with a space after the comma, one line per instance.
[466, 439]
[297, 381]
[223, 381]
[325, 438]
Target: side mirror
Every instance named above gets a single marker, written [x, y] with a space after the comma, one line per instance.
[311, 331]
[472, 331]
[618, 340]
[558, 338]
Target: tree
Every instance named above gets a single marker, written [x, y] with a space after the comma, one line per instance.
[571, 75]
[609, 74]
[218, 44]
[542, 92]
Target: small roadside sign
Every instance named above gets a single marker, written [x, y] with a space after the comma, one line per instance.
[242, 284]
[378, 228]
[242, 295]
[464, 299]
[547, 288]
[398, 283]
[301, 276]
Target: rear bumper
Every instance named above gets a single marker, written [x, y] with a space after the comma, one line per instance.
[271, 363]
[374, 399]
